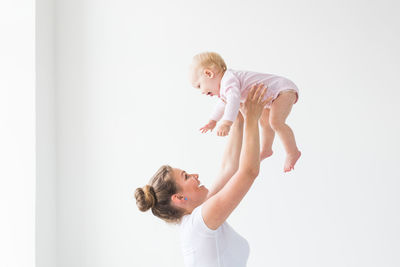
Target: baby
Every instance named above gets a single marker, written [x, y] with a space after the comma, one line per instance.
[208, 72]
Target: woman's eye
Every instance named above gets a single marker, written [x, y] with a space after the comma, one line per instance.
[186, 176]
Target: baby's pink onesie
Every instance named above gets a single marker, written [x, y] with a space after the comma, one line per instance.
[236, 84]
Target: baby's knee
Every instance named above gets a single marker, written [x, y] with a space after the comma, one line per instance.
[277, 124]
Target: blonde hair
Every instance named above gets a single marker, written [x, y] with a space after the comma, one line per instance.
[157, 196]
[210, 60]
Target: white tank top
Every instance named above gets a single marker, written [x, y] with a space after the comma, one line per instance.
[203, 247]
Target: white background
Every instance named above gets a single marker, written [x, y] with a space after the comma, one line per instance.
[17, 133]
[123, 106]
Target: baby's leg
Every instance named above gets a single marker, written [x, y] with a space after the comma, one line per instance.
[280, 110]
[267, 135]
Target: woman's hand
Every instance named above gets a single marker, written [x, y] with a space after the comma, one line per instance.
[254, 104]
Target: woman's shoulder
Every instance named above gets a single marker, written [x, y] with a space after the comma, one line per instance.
[194, 222]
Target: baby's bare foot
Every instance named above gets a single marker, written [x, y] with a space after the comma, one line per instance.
[291, 160]
[265, 153]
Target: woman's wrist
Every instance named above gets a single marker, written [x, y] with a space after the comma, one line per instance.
[251, 120]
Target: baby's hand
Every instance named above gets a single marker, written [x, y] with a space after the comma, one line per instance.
[224, 128]
[209, 126]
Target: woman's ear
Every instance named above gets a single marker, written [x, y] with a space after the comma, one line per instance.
[208, 73]
[177, 199]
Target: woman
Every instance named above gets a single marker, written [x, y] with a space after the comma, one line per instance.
[177, 197]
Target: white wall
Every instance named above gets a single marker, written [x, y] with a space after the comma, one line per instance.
[17, 133]
[46, 136]
[124, 107]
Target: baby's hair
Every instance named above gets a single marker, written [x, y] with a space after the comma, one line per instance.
[210, 60]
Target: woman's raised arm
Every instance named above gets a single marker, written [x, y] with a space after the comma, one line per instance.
[231, 156]
[217, 208]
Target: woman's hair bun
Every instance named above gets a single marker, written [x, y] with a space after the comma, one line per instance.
[145, 198]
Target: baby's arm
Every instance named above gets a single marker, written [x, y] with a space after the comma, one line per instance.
[216, 116]
[218, 111]
[231, 111]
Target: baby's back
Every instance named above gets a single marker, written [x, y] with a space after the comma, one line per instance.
[274, 83]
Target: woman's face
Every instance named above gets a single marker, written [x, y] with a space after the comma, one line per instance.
[191, 188]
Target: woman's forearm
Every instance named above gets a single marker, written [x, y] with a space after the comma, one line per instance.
[231, 156]
[250, 154]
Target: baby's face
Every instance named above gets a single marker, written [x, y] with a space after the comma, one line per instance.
[206, 81]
